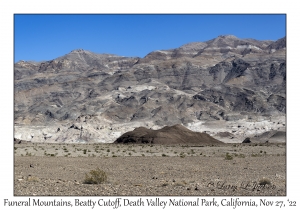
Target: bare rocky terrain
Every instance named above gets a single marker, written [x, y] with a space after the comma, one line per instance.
[228, 87]
[149, 169]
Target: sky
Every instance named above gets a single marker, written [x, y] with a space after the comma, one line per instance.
[46, 37]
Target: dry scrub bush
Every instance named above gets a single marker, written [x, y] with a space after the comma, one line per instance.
[228, 157]
[95, 177]
[264, 181]
[33, 179]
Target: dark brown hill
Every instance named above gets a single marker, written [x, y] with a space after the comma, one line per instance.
[176, 134]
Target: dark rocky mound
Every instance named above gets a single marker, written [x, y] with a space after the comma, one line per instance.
[176, 134]
[17, 141]
[247, 140]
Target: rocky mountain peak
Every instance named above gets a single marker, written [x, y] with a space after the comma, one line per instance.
[279, 44]
[227, 37]
[78, 51]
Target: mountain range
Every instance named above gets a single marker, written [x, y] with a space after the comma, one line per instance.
[228, 87]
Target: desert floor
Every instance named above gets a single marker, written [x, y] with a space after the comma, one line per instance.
[156, 170]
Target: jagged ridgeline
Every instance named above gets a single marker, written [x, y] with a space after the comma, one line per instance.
[89, 97]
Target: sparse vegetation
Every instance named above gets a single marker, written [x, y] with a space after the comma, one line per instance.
[228, 156]
[33, 179]
[264, 181]
[170, 176]
[241, 156]
[180, 184]
[28, 154]
[165, 184]
[95, 177]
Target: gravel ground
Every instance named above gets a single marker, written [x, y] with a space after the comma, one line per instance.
[156, 170]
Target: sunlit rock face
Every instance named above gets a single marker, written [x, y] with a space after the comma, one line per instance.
[227, 84]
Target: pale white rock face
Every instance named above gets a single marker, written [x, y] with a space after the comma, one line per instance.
[248, 47]
[162, 51]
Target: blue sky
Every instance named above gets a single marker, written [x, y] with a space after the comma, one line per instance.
[46, 37]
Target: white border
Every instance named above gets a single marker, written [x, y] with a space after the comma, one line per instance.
[8, 8]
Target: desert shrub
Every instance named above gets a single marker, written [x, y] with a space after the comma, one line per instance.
[255, 155]
[182, 155]
[228, 157]
[95, 177]
[180, 184]
[241, 156]
[32, 179]
[264, 181]
[164, 155]
[164, 184]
